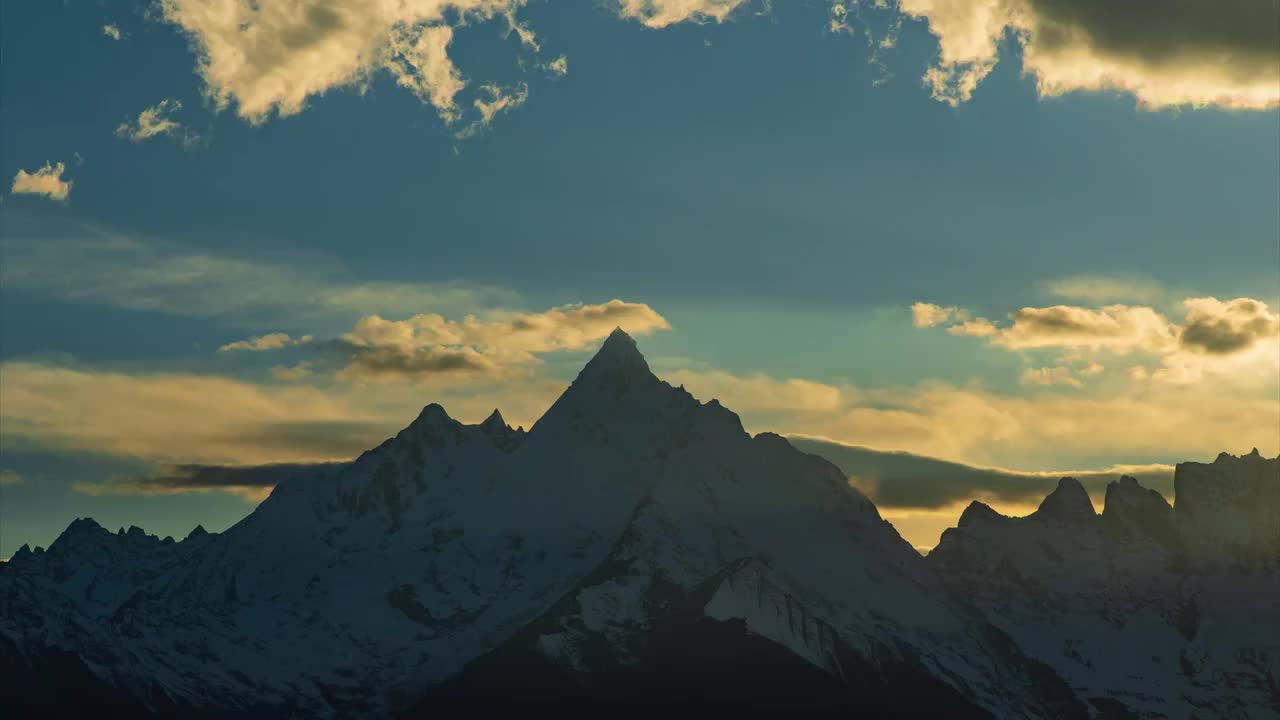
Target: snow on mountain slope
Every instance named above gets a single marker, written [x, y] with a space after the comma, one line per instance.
[354, 591]
[1172, 612]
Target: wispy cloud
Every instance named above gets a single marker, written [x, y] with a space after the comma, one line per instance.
[1102, 289]
[46, 181]
[181, 418]
[84, 264]
[112, 31]
[252, 482]
[188, 418]
[156, 121]
[270, 341]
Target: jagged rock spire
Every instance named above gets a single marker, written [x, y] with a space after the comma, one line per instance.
[1069, 502]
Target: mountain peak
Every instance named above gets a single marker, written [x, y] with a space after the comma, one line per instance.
[1068, 502]
[617, 361]
[977, 512]
[494, 422]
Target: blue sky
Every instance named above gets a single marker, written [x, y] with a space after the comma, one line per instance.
[766, 197]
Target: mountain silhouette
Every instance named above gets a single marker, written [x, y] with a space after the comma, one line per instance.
[636, 550]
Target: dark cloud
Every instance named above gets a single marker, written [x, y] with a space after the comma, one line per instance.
[314, 438]
[1166, 53]
[1223, 328]
[1164, 31]
[386, 362]
[250, 481]
[902, 481]
[215, 477]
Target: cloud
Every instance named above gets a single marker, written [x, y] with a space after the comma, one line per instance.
[758, 392]
[428, 344]
[923, 496]
[976, 425]
[420, 62]
[658, 14]
[1108, 289]
[559, 66]
[925, 314]
[295, 373]
[1051, 376]
[83, 264]
[904, 481]
[271, 58]
[10, 477]
[181, 418]
[1115, 327]
[980, 327]
[1222, 328]
[252, 482]
[497, 100]
[187, 418]
[399, 364]
[154, 122]
[271, 341]
[112, 31]
[46, 181]
[1239, 338]
[1197, 53]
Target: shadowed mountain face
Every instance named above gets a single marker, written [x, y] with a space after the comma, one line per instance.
[1161, 611]
[635, 550]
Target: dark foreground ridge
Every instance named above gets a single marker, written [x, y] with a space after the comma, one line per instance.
[637, 551]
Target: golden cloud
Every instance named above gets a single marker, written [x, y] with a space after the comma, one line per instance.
[46, 181]
[1197, 53]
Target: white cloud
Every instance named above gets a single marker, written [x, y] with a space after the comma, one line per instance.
[112, 31]
[270, 341]
[925, 314]
[1196, 53]
[155, 121]
[663, 13]
[46, 181]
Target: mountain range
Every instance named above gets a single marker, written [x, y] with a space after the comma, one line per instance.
[637, 550]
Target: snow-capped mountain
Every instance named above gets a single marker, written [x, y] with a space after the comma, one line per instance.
[1147, 610]
[634, 543]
